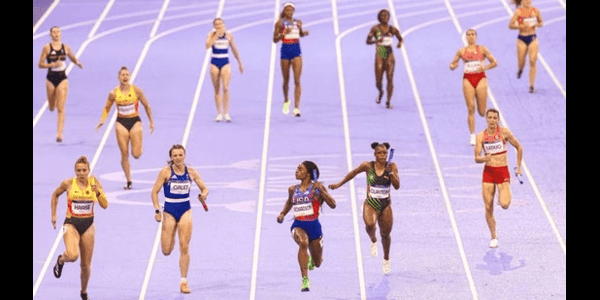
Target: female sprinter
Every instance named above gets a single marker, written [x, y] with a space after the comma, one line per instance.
[54, 56]
[383, 36]
[495, 174]
[220, 70]
[289, 31]
[129, 125]
[526, 19]
[79, 230]
[475, 84]
[377, 207]
[306, 200]
[176, 179]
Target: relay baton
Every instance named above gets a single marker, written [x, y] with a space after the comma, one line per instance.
[203, 203]
[519, 176]
[391, 156]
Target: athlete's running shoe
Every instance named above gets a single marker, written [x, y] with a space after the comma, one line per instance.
[286, 107]
[219, 118]
[494, 243]
[374, 249]
[185, 289]
[227, 118]
[305, 284]
[311, 263]
[84, 296]
[387, 267]
[58, 268]
[297, 112]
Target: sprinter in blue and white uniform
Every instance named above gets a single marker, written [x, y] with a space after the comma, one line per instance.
[289, 31]
[176, 179]
[305, 200]
[220, 71]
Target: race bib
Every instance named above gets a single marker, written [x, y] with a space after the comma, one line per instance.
[387, 41]
[294, 34]
[379, 192]
[531, 21]
[473, 66]
[494, 147]
[127, 110]
[82, 208]
[180, 188]
[302, 210]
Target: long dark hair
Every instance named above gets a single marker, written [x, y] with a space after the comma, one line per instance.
[312, 169]
[517, 2]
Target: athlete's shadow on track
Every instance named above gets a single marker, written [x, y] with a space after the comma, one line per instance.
[498, 264]
[379, 291]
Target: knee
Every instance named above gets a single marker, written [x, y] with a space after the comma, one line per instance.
[71, 256]
[226, 90]
[86, 268]
[385, 236]
[184, 248]
[379, 85]
[137, 155]
[370, 227]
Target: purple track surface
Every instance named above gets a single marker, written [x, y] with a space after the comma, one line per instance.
[431, 258]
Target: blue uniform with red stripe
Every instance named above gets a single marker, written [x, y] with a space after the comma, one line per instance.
[306, 207]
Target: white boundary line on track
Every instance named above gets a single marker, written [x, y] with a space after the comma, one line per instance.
[540, 57]
[60, 234]
[523, 164]
[435, 160]
[78, 54]
[186, 134]
[45, 15]
[349, 162]
[263, 166]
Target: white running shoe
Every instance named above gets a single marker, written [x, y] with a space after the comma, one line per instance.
[387, 267]
[219, 118]
[227, 118]
[473, 140]
[494, 243]
[374, 249]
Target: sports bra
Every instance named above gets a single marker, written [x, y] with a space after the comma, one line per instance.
[80, 203]
[473, 60]
[55, 56]
[127, 104]
[494, 144]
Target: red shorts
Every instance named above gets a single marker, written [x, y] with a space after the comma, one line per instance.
[496, 175]
[474, 78]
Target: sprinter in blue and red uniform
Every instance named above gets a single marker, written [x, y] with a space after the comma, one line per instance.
[306, 199]
[289, 31]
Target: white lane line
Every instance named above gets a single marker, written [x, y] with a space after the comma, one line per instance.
[523, 163]
[349, 162]
[264, 158]
[153, 38]
[45, 15]
[59, 236]
[78, 54]
[434, 156]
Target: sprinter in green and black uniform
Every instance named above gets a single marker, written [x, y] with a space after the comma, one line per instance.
[381, 176]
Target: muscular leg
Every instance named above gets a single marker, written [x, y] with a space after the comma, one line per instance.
[136, 136]
[390, 67]
[379, 76]
[71, 239]
[285, 70]
[489, 189]
[521, 53]
[504, 195]
[316, 251]
[226, 78]
[386, 222]
[123, 141]
[481, 96]
[167, 238]
[533, 55]
[297, 66]
[301, 238]
[185, 236]
[469, 93]
[87, 251]
[215, 76]
[50, 89]
[60, 97]
[370, 216]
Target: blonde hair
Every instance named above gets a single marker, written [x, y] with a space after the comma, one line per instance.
[83, 160]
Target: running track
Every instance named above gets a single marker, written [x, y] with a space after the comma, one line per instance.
[440, 238]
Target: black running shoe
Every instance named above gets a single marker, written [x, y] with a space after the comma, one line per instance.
[84, 296]
[128, 186]
[58, 268]
[519, 74]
